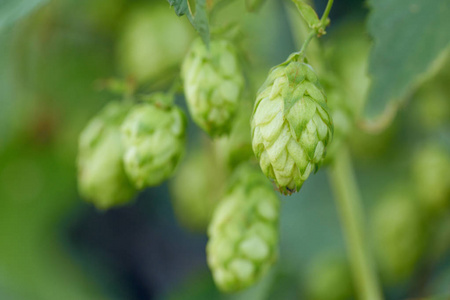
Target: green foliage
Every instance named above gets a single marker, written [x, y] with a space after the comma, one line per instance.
[409, 36]
[199, 19]
[13, 10]
[308, 13]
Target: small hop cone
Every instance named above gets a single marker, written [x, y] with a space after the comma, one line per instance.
[431, 174]
[213, 84]
[196, 189]
[342, 114]
[237, 146]
[398, 234]
[291, 125]
[154, 137]
[243, 233]
[101, 175]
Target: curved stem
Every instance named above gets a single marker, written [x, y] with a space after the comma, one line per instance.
[349, 205]
[324, 18]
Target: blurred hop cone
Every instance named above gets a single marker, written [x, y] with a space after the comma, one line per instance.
[291, 125]
[243, 233]
[144, 50]
[154, 136]
[397, 226]
[237, 147]
[196, 189]
[431, 171]
[328, 277]
[101, 175]
[342, 114]
[213, 84]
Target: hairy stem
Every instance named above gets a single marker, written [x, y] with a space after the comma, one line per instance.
[349, 205]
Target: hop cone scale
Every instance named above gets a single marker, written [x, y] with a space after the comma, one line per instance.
[213, 84]
[154, 138]
[101, 175]
[243, 234]
[291, 125]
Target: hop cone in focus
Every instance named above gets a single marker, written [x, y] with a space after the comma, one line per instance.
[291, 125]
[197, 188]
[101, 175]
[398, 234]
[243, 233]
[154, 139]
[213, 84]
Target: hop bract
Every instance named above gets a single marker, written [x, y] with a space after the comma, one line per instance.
[213, 83]
[291, 125]
[154, 139]
[101, 175]
[243, 233]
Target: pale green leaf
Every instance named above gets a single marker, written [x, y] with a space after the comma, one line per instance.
[308, 13]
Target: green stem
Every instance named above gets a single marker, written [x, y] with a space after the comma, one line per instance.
[324, 18]
[349, 204]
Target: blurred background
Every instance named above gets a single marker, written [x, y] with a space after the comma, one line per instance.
[55, 63]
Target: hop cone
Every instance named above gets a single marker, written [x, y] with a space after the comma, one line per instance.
[197, 188]
[398, 234]
[291, 125]
[237, 147]
[154, 138]
[343, 115]
[431, 172]
[243, 231]
[213, 83]
[101, 176]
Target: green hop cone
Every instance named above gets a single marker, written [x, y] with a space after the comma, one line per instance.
[237, 147]
[328, 277]
[197, 188]
[243, 233]
[398, 234]
[101, 175]
[431, 173]
[342, 114]
[213, 84]
[154, 136]
[291, 125]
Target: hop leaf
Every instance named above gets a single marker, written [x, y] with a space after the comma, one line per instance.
[213, 84]
[291, 125]
[243, 231]
[101, 175]
[154, 139]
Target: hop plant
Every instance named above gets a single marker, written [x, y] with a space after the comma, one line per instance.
[213, 84]
[243, 233]
[431, 172]
[291, 125]
[154, 139]
[197, 188]
[101, 174]
[397, 228]
[237, 147]
[342, 114]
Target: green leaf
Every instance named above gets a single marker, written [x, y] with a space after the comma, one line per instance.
[199, 20]
[409, 37]
[12, 10]
[308, 13]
